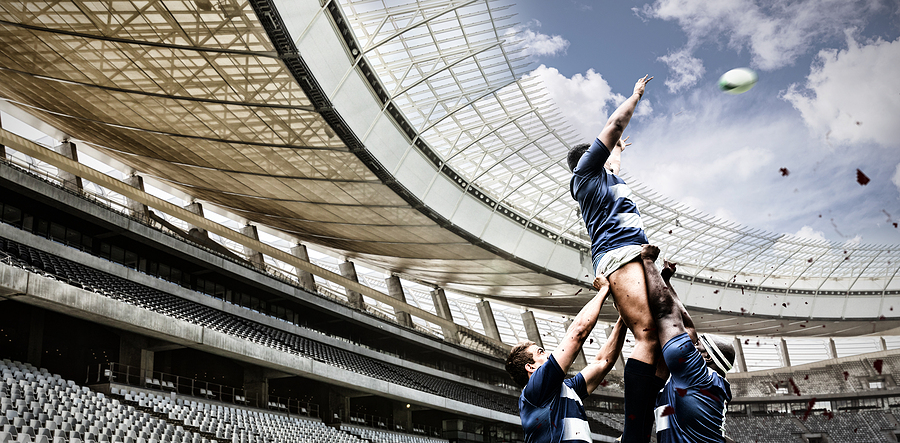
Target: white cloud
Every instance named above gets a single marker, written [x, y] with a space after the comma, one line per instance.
[775, 33]
[585, 100]
[536, 43]
[810, 233]
[851, 95]
[685, 70]
[896, 178]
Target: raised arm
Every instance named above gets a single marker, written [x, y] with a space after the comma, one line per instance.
[606, 358]
[581, 326]
[665, 307]
[615, 126]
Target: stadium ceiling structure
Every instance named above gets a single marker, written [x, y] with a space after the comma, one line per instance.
[403, 135]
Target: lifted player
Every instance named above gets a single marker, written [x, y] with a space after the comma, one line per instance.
[550, 405]
[691, 407]
[617, 233]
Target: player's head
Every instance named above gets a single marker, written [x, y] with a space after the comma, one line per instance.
[525, 358]
[575, 154]
[718, 352]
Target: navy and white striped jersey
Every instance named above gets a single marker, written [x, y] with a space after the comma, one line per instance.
[691, 407]
[550, 406]
[612, 218]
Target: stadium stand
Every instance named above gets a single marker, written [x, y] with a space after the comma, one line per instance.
[771, 429]
[120, 289]
[37, 407]
[382, 436]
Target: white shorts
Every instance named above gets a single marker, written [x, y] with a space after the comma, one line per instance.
[615, 259]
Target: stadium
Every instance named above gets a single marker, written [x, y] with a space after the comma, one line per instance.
[329, 221]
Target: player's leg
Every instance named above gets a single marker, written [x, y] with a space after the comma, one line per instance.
[629, 288]
[628, 285]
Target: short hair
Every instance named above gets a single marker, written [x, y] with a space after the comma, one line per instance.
[518, 358]
[575, 154]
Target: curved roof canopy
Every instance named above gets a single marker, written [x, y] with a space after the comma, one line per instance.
[402, 135]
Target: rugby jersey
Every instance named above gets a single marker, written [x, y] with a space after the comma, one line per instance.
[612, 218]
[550, 406]
[691, 407]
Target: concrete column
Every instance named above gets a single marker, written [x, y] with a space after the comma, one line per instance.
[2, 147]
[488, 320]
[531, 328]
[348, 270]
[256, 386]
[306, 279]
[832, 349]
[443, 310]
[395, 289]
[254, 257]
[135, 352]
[36, 337]
[739, 355]
[402, 416]
[440, 304]
[580, 360]
[196, 208]
[620, 362]
[782, 347]
[138, 210]
[70, 181]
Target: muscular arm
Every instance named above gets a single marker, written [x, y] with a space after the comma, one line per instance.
[615, 156]
[606, 358]
[615, 126]
[580, 328]
[667, 272]
[665, 307]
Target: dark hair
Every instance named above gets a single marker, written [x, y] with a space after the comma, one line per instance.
[575, 154]
[515, 363]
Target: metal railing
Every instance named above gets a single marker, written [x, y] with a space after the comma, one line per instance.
[161, 381]
[387, 424]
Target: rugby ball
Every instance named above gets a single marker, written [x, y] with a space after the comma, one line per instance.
[737, 81]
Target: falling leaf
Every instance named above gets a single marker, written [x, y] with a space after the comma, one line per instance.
[604, 383]
[784, 172]
[846, 375]
[716, 291]
[681, 392]
[877, 365]
[794, 386]
[668, 410]
[809, 407]
[784, 305]
[861, 178]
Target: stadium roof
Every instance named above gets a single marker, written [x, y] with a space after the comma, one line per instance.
[400, 135]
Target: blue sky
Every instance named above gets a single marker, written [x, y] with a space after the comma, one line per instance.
[827, 103]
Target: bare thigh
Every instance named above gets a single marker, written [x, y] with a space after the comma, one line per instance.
[629, 289]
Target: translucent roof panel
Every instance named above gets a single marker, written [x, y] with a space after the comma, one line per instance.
[456, 70]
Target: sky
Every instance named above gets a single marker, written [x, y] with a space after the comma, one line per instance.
[812, 150]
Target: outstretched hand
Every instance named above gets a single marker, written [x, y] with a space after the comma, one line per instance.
[621, 144]
[641, 83]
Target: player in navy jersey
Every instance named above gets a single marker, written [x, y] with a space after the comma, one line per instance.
[692, 405]
[617, 233]
[550, 405]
